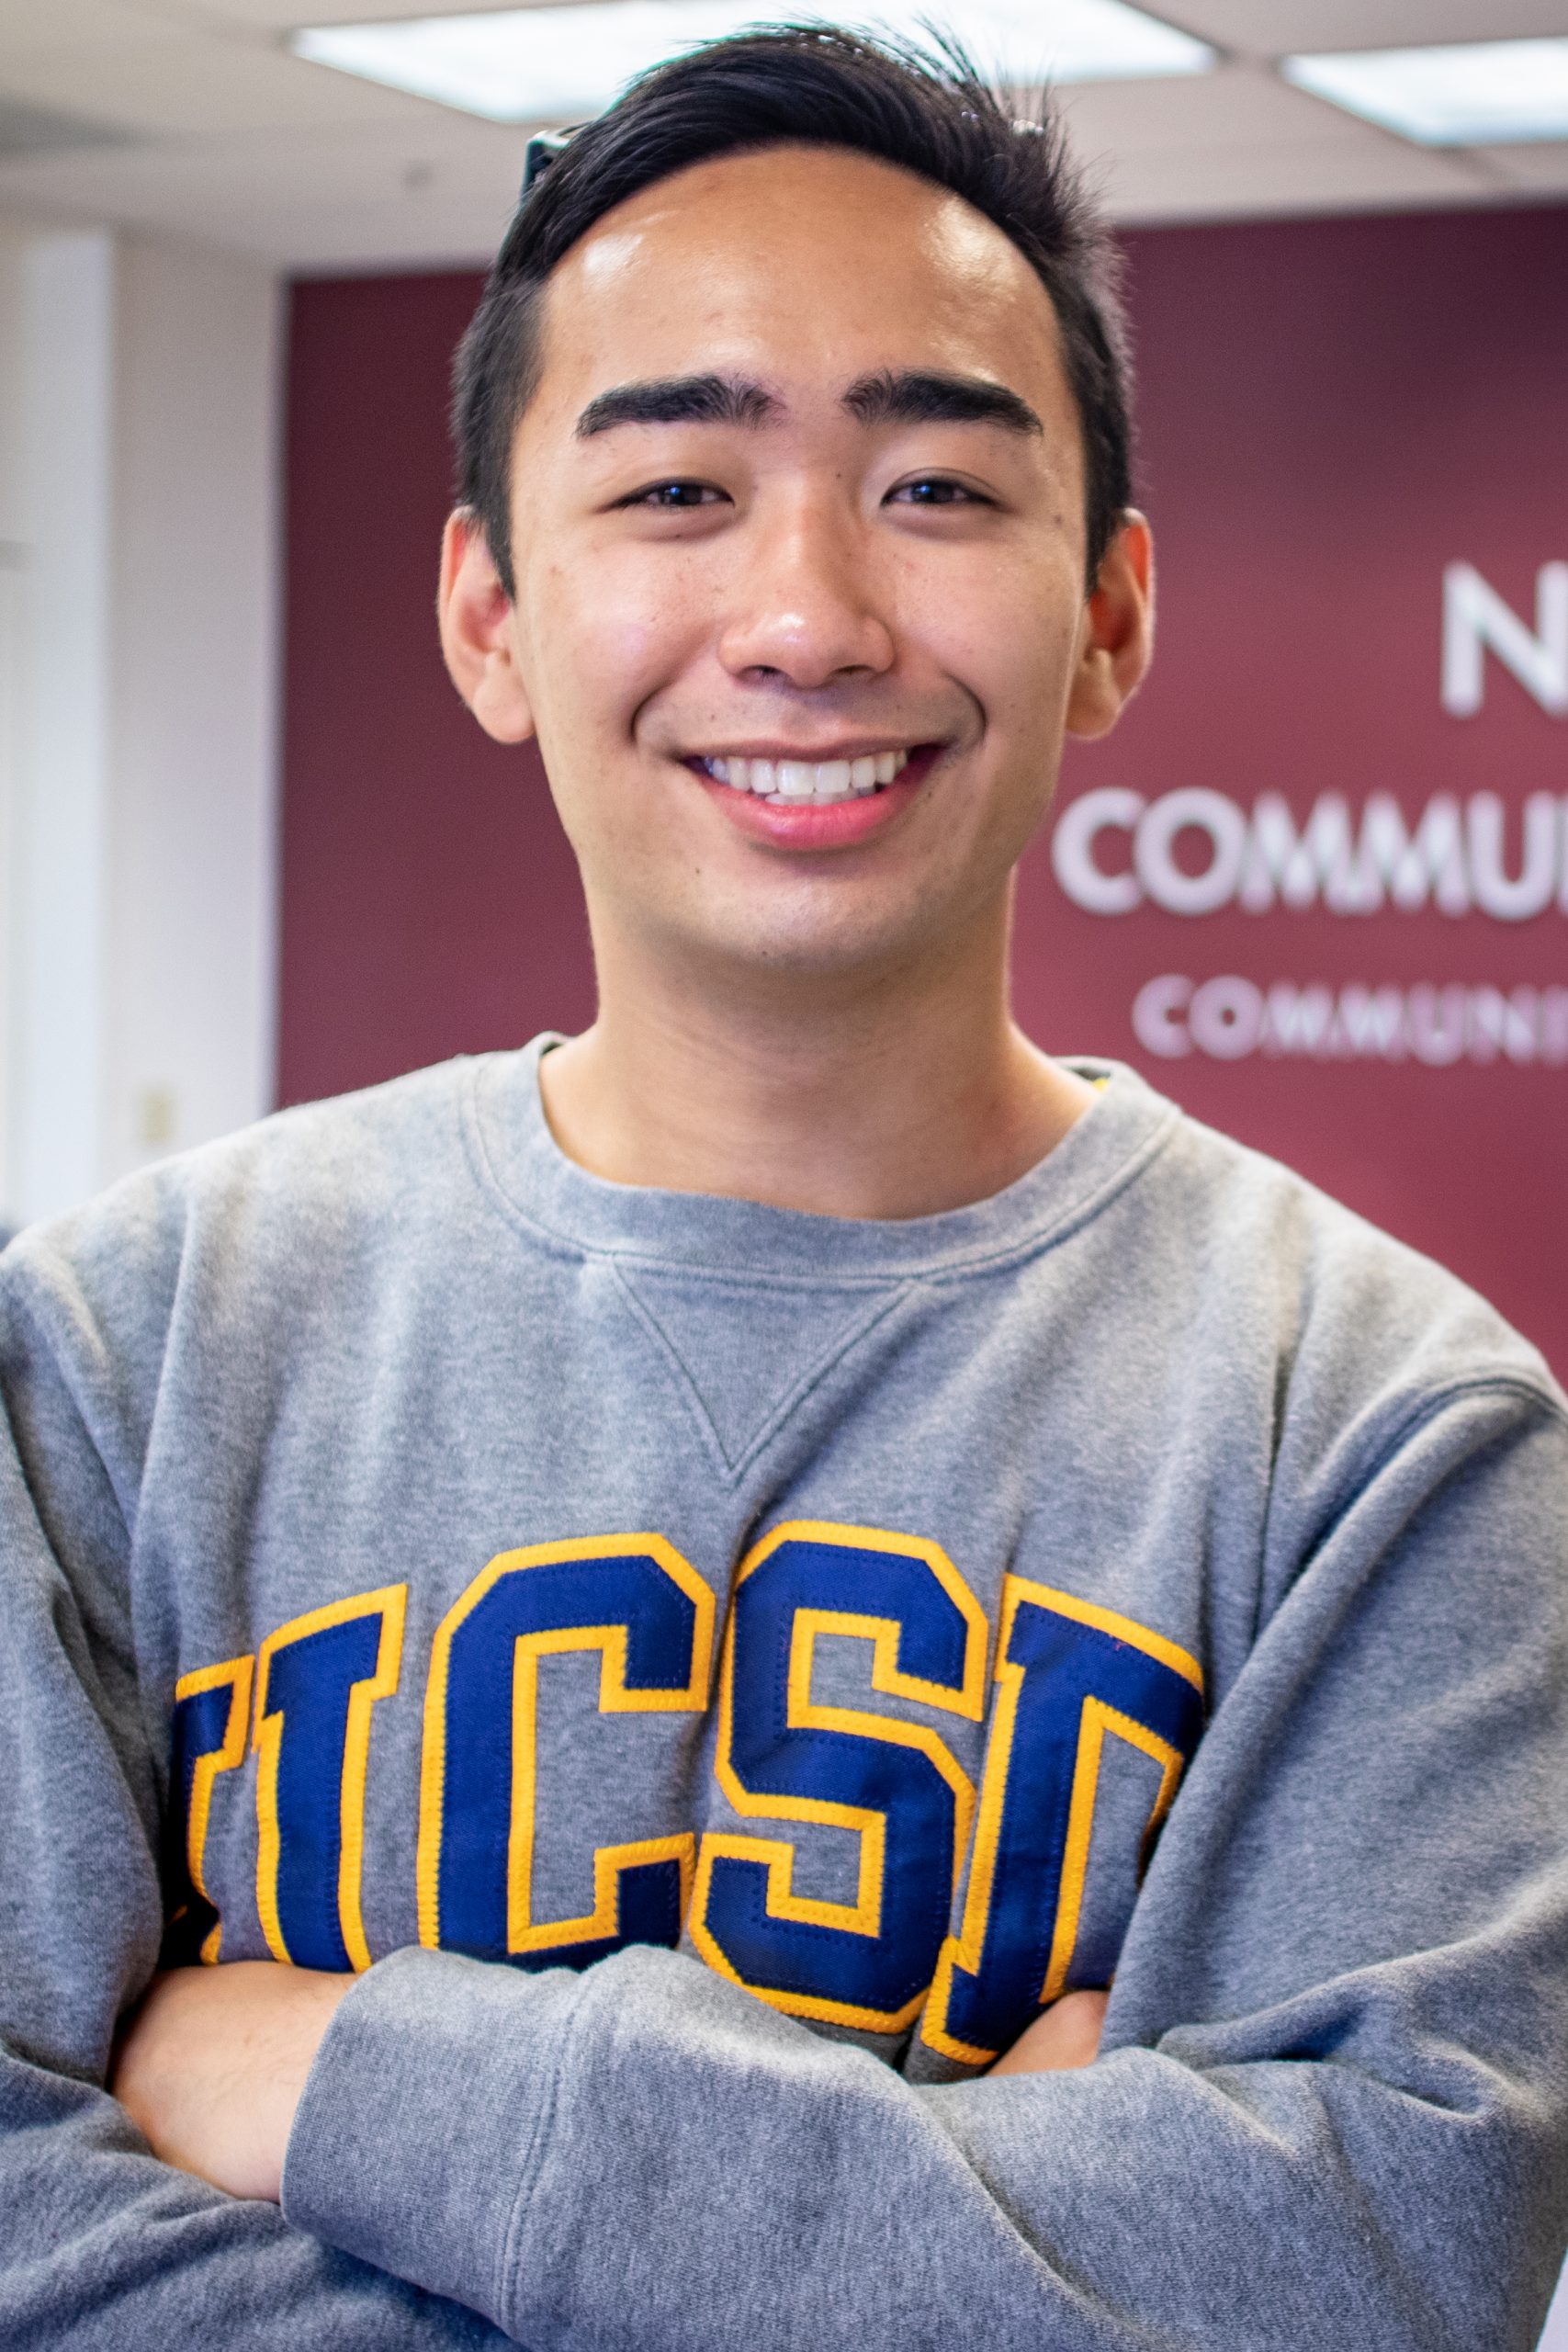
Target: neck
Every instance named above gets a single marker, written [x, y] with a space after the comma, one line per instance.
[889, 1094]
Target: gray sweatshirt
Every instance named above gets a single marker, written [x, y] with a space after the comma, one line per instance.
[714, 1670]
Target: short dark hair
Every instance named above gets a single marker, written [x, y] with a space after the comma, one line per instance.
[928, 112]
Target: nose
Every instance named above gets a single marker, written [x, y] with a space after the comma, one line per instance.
[807, 610]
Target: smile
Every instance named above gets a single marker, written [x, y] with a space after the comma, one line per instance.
[785, 783]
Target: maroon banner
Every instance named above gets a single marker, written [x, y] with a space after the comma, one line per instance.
[1315, 886]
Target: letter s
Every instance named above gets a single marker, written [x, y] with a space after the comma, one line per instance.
[787, 1757]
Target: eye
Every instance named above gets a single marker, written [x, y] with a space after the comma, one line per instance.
[674, 497]
[935, 490]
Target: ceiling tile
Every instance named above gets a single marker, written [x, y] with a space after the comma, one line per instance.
[174, 86]
[448, 233]
[80, 24]
[296, 231]
[1276, 28]
[1256, 182]
[1535, 163]
[296, 198]
[283, 15]
[1240, 105]
[37, 131]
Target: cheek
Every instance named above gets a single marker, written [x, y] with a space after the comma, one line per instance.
[1004, 628]
[607, 635]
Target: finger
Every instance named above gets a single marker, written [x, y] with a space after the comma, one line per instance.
[1066, 2035]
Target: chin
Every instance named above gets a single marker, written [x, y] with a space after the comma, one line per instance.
[852, 942]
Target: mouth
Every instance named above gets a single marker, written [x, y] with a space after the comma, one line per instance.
[810, 783]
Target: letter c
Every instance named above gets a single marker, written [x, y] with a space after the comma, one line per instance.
[1072, 851]
[1157, 1016]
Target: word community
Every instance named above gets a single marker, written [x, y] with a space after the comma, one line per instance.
[1114, 851]
[1229, 1016]
[1068, 1677]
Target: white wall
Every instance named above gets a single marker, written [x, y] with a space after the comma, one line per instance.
[139, 504]
[61, 778]
[12, 588]
[13, 251]
[191, 917]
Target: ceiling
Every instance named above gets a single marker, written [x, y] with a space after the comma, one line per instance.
[188, 119]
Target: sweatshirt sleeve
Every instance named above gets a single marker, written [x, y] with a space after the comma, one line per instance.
[1332, 2102]
[101, 2245]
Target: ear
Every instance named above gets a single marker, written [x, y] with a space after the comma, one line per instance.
[1116, 638]
[477, 634]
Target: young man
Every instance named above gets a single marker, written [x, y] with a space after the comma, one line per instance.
[671, 1577]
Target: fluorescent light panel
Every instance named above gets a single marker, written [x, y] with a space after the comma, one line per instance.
[1474, 94]
[561, 64]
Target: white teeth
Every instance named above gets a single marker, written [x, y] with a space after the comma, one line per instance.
[796, 783]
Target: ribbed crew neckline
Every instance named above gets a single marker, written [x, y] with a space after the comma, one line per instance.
[1103, 1152]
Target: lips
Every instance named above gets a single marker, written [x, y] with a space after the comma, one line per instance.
[799, 820]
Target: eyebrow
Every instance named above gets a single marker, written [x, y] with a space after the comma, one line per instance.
[890, 396]
[922, 396]
[678, 399]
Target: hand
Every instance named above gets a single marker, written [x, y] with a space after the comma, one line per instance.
[1066, 2034]
[212, 2064]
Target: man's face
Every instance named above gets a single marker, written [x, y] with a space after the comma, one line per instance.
[798, 502]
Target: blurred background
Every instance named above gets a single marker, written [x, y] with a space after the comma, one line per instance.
[251, 850]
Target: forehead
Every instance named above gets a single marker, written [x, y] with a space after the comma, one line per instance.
[795, 264]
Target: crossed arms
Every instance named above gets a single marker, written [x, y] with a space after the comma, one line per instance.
[213, 2065]
[1330, 2103]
